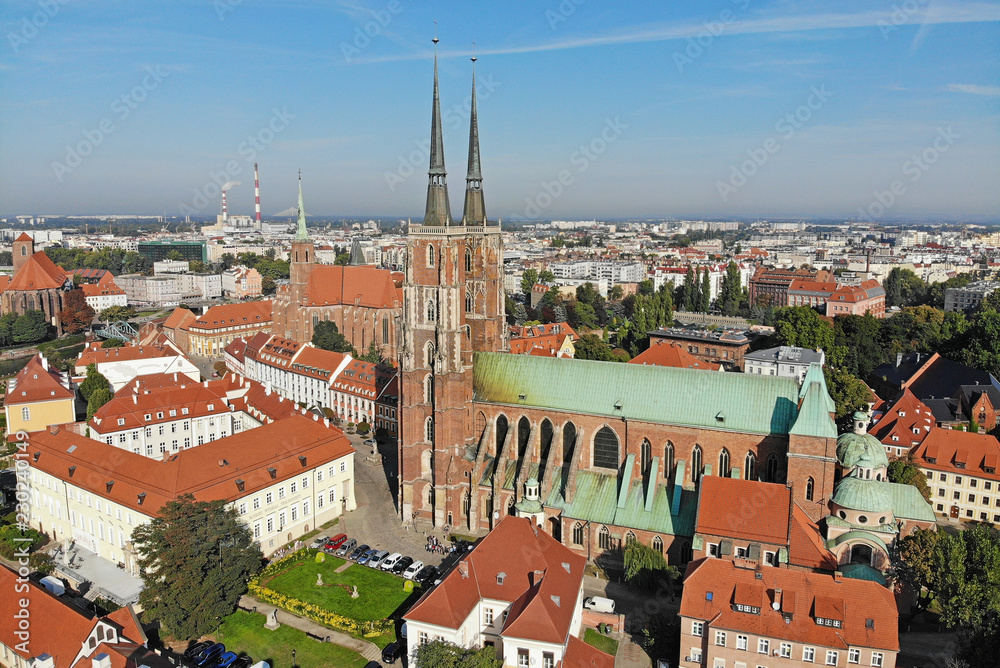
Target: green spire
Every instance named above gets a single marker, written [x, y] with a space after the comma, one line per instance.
[301, 234]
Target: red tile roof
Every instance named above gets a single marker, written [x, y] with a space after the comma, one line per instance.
[960, 452]
[541, 578]
[178, 318]
[805, 544]
[360, 285]
[764, 518]
[581, 655]
[208, 472]
[38, 273]
[233, 315]
[537, 331]
[132, 407]
[663, 352]
[102, 288]
[24, 237]
[37, 381]
[711, 587]
[906, 414]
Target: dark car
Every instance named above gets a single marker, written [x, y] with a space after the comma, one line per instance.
[208, 655]
[427, 575]
[392, 652]
[242, 662]
[225, 660]
[197, 648]
[373, 664]
[402, 565]
[366, 557]
[358, 551]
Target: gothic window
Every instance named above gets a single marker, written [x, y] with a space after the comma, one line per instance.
[24, 251]
[724, 463]
[696, 464]
[646, 455]
[578, 534]
[431, 311]
[480, 425]
[429, 389]
[469, 303]
[606, 448]
[810, 487]
[466, 503]
[545, 441]
[751, 466]
[604, 538]
[569, 440]
[385, 329]
[430, 256]
[429, 354]
[429, 429]
[430, 496]
[685, 552]
[668, 460]
[629, 538]
[523, 433]
[502, 425]
[658, 544]
[468, 259]
[772, 468]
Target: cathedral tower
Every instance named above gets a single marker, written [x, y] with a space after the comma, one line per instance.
[302, 256]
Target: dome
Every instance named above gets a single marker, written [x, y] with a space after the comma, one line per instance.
[859, 448]
[869, 496]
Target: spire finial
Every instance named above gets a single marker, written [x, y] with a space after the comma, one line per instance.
[301, 234]
[435, 40]
[475, 206]
[474, 59]
[437, 211]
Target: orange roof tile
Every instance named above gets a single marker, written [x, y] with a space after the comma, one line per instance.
[38, 273]
[581, 655]
[978, 453]
[178, 318]
[767, 518]
[128, 409]
[712, 587]
[361, 285]
[233, 315]
[663, 352]
[805, 544]
[896, 426]
[37, 381]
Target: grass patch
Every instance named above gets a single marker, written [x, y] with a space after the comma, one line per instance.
[244, 632]
[459, 536]
[331, 523]
[603, 643]
[380, 593]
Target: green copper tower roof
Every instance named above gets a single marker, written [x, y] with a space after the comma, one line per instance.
[438, 208]
[474, 212]
[814, 413]
[301, 234]
[869, 496]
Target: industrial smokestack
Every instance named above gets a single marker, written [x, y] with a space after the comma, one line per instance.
[224, 211]
[256, 194]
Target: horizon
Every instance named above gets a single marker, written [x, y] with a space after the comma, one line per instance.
[730, 110]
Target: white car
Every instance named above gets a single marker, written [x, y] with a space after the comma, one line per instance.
[390, 561]
[376, 559]
[412, 571]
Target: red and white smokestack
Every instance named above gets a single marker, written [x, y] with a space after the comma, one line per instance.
[224, 211]
[256, 193]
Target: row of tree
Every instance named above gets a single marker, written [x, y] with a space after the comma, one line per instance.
[22, 329]
[115, 260]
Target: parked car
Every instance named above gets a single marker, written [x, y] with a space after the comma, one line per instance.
[375, 561]
[358, 551]
[412, 570]
[599, 604]
[242, 662]
[389, 562]
[402, 565]
[333, 543]
[209, 654]
[225, 660]
[367, 556]
[197, 648]
[317, 543]
[427, 575]
[392, 652]
[347, 547]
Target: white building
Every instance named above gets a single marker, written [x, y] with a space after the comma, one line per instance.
[150, 290]
[121, 365]
[170, 267]
[615, 272]
[785, 361]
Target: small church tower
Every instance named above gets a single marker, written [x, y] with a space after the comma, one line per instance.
[302, 256]
[24, 247]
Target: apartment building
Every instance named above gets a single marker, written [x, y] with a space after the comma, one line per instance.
[241, 283]
[209, 334]
[38, 396]
[962, 472]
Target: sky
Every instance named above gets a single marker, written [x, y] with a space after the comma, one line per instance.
[877, 111]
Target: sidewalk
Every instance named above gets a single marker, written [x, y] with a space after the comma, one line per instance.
[366, 649]
[631, 655]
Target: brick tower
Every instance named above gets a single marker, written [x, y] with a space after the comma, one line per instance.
[24, 248]
[302, 256]
[452, 305]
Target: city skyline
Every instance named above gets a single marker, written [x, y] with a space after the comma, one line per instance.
[725, 110]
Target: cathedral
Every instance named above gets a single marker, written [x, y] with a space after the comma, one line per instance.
[37, 284]
[597, 453]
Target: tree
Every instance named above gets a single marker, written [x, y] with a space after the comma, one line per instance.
[195, 558]
[373, 355]
[98, 398]
[617, 292]
[343, 258]
[644, 566]
[801, 326]
[690, 291]
[113, 343]
[327, 336]
[730, 291]
[93, 382]
[76, 314]
[848, 393]
[982, 342]
[902, 470]
[442, 654]
[117, 313]
[903, 288]
[645, 288]
[528, 280]
[267, 285]
[859, 336]
[198, 266]
[546, 276]
[581, 316]
[913, 564]
[175, 255]
[593, 347]
[30, 327]
[7, 321]
[705, 295]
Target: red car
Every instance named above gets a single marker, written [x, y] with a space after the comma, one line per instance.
[334, 542]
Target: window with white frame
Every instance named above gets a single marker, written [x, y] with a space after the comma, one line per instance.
[763, 645]
[695, 655]
[832, 657]
[877, 658]
[741, 642]
[523, 658]
[488, 616]
[809, 654]
[854, 655]
[785, 650]
[697, 628]
[25, 413]
[720, 638]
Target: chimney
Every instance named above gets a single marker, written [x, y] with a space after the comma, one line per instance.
[135, 399]
[102, 660]
[463, 568]
[899, 358]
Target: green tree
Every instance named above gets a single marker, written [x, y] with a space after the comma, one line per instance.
[93, 382]
[7, 321]
[593, 347]
[913, 563]
[116, 313]
[227, 260]
[644, 566]
[546, 276]
[30, 327]
[267, 285]
[731, 293]
[528, 280]
[902, 470]
[903, 288]
[327, 336]
[195, 558]
[581, 315]
[343, 258]
[442, 654]
[617, 292]
[690, 291]
[705, 294]
[645, 288]
[76, 314]
[98, 398]
[198, 266]
[859, 336]
[802, 326]
[175, 255]
[374, 355]
[848, 393]
[982, 342]
[113, 343]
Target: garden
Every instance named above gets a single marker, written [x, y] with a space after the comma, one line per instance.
[244, 632]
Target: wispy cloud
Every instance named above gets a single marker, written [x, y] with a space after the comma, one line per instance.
[973, 12]
[974, 89]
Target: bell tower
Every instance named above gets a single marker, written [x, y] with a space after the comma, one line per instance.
[303, 255]
[24, 247]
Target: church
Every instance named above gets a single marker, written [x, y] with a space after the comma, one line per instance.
[597, 453]
[37, 284]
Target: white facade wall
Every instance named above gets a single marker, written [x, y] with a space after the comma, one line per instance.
[155, 440]
[101, 302]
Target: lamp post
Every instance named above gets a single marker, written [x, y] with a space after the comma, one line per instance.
[293, 658]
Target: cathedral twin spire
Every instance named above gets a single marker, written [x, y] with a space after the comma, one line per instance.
[438, 209]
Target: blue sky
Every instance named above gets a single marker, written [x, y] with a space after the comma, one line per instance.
[882, 110]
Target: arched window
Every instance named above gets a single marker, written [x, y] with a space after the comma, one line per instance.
[469, 303]
[810, 487]
[569, 441]
[480, 425]
[724, 463]
[466, 503]
[429, 429]
[429, 389]
[604, 538]
[430, 495]
[385, 329]
[430, 255]
[685, 552]
[24, 251]
[646, 455]
[751, 466]
[468, 260]
[501, 432]
[629, 538]
[431, 311]
[544, 442]
[696, 464]
[772, 468]
[668, 460]
[523, 433]
[429, 354]
[606, 448]
[578, 534]
[658, 544]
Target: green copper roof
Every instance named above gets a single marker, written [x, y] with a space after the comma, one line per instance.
[814, 414]
[861, 450]
[869, 496]
[908, 503]
[862, 572]
[856, 537]
[730, 401]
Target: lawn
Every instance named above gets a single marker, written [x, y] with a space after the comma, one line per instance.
[380, 593]
[244, 632]
[603, 643]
